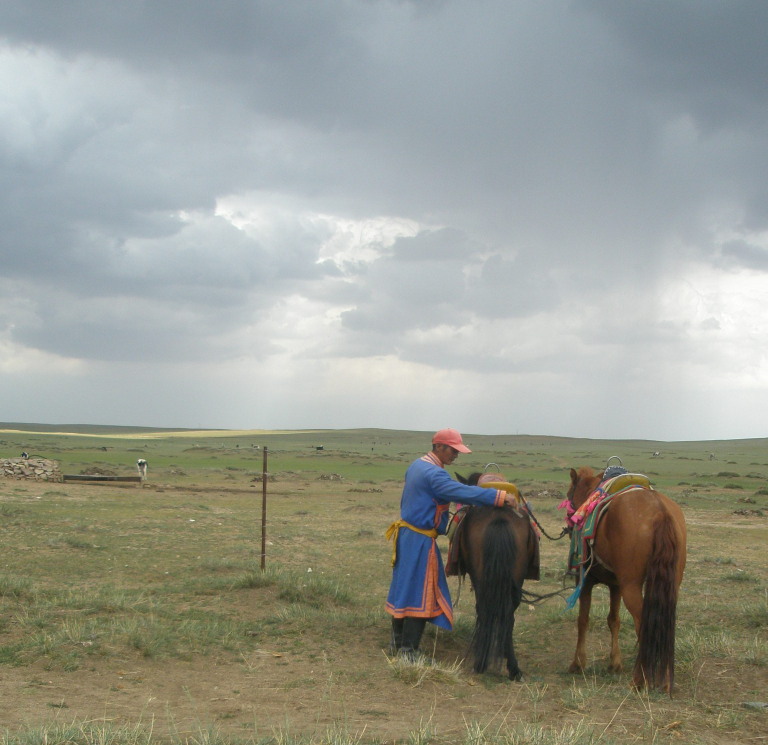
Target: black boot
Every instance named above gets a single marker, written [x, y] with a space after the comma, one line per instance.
[413, 628]
[396, 641]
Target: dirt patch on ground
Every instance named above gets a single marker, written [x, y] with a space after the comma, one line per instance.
[355, 688]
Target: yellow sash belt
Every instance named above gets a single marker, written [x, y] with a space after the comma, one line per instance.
[394, 529]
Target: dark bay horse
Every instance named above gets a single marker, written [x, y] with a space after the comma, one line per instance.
[498, 548]
[639, 552]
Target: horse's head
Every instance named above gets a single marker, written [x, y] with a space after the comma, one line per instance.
[583, 483]
[471, 480]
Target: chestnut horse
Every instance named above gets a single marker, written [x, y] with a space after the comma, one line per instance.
[639, 552]
[498, 548]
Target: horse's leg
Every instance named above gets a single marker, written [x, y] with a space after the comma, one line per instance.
[614, 624]
[515, 673]
[585, 602]
[632, 594]
[481, 654]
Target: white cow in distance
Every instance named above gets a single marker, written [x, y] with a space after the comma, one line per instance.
[142, 466]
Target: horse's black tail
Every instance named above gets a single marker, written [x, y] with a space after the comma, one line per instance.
[655, 664]
[497, 596]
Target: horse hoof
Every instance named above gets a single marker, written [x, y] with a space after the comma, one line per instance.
[575, 668]
[516, 677]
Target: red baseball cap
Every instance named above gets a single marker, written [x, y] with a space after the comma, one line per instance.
[451, 438]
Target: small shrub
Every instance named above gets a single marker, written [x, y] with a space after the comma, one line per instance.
[756, 614]
[719, 560]
[77, 543]
[740, 576]
[422, 670]
[14, 587]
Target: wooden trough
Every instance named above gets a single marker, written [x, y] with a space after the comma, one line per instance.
[89, 477]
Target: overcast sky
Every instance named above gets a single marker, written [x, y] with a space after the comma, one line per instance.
[496, 215]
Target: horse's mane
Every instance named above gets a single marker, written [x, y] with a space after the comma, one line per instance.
[585, 472]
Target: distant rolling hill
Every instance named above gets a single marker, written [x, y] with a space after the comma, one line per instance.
[88, 429]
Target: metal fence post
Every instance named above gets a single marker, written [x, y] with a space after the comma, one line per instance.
[264, 512]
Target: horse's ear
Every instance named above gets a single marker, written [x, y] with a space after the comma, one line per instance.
[460, 478]
[574, 476]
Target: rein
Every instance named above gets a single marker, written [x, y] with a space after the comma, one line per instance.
[532, 597]
[564, 532]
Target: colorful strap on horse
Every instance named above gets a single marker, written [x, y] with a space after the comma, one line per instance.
[581, 540]
[394, 529]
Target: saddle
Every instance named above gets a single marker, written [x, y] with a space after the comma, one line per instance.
[608, 488]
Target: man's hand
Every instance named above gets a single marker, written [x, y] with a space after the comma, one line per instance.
[510, 500]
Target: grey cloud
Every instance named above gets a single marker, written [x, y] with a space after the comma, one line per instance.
[516, 286]
[440, 278]
[285, 58]
[419, 284]
[708, 57]
[446, 244]
[741, 253]
[118, 328]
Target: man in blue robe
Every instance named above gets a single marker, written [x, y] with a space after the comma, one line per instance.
[419, 590]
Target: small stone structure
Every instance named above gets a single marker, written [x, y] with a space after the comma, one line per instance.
[35, 469]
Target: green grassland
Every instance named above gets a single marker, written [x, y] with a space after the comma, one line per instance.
[99, 581]
[384, 454]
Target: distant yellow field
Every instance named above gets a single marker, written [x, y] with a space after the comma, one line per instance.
[164, 434]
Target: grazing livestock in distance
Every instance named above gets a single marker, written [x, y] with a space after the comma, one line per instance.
[141, 467]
